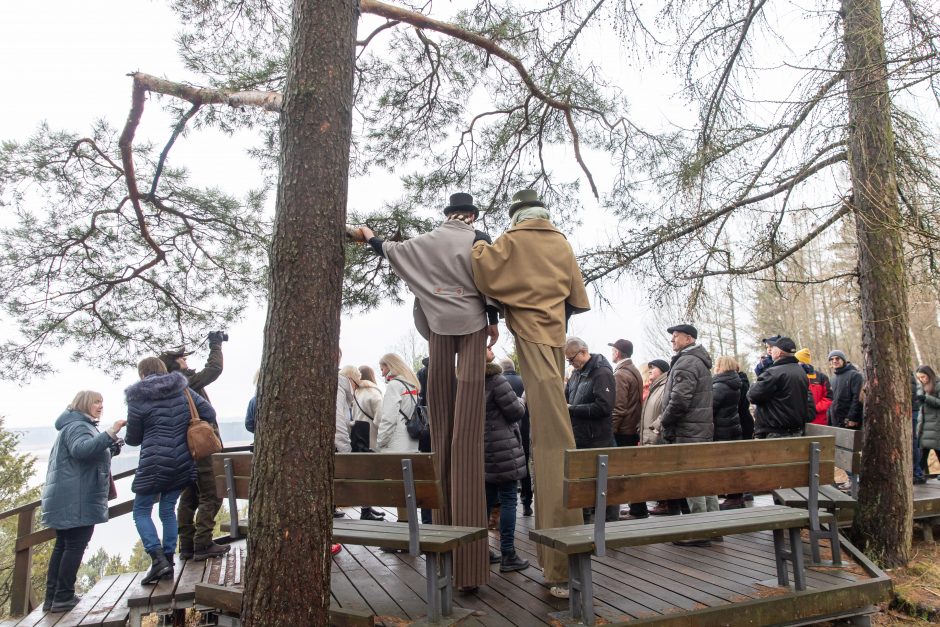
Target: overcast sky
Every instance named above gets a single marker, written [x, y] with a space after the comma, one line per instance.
[66, 63]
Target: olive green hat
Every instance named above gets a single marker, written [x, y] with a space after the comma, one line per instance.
[523, 199]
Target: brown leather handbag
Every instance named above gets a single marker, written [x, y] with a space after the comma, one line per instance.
[200, 435]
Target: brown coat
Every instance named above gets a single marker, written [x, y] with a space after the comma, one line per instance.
[532, 270]
[628, 405]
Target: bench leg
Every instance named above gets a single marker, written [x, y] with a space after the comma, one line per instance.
[796, 554]
[134, 617]
[834, 543]
[927, 526]
[581, 588]
[434, 587]
[779, 556]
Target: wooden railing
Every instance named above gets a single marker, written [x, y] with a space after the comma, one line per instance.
[22, 595]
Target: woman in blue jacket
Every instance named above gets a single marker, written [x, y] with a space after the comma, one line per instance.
[75, 496]
[157, 420]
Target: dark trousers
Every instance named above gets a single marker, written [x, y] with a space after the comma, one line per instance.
[633, 439]
[198, 508]
[70, 545]
[526, 482]
[917, 456]
[504, 495]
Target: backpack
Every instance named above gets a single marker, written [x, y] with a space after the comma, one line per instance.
[417, 422]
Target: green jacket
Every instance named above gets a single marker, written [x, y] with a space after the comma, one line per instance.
[77, 480]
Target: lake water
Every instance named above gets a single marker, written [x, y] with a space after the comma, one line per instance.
[116, 536]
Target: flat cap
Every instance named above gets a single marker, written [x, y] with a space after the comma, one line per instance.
[684, 328]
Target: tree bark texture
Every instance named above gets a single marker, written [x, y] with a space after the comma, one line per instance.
[288, 571]
[883, 523]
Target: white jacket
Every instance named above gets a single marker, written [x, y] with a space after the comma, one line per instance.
[368, 408]
[393, 435]
[344, 405]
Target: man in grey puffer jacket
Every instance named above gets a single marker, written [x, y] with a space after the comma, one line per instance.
[687, 400]
[687, 407]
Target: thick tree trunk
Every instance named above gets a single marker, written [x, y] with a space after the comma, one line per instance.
[288, 580]
[883, 523]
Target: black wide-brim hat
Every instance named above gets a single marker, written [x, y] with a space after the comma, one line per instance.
[461, 202]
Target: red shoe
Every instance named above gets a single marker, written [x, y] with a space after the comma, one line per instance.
[335, 548]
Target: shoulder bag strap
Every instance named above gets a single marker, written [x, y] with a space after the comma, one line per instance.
[193, 414]
[364, 412]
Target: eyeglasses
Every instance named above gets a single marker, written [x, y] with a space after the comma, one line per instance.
[571, 359]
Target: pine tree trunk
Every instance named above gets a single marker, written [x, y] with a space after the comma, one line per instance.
[882, 525]
[288, 572]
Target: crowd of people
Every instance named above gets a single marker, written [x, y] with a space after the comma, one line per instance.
[497, 431]
[160, 408]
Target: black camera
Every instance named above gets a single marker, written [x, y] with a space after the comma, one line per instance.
[218, 336]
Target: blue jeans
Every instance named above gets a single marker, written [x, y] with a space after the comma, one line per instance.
[143, 507]
[505, 495]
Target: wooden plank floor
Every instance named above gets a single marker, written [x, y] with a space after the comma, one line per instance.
[636, 583]
[629, 584]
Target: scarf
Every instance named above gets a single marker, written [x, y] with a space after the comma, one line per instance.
[529, 213]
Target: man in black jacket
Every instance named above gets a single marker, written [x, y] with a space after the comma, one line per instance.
[847, 382]
[591, 392]
[199, 505]
[781, 396]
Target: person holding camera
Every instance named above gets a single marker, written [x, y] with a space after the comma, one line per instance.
[75, 496]
[198, 505]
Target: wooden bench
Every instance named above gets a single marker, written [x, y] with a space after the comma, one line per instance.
[599, 477]
[830, 498]
[387, 480]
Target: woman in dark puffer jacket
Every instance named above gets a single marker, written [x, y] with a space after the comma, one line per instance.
[726, 396]
[157, 420]
[504, 462]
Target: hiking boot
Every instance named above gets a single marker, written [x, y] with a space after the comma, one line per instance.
[731, 504]
[699, 542]
[210, 550]
[159, 567]
[169, 559]
[57, 607]
[367, 514]
[494, 557]
[186, 550]
[512, 562]
[527, 509]
[338, 513]
[376, 512]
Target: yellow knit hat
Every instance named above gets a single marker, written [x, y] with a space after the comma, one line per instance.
[803, 355]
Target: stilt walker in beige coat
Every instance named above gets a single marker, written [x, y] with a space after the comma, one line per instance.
[532, 271]
[452, 315]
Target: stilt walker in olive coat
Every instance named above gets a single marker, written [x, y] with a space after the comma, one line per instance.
[532, 271]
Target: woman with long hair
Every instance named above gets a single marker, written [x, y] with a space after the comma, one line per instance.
[398, 404]
[929, 428]
[75, 496]
[367, 406]
[158, 418]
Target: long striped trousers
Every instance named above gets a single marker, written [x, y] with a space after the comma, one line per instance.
[457, 410]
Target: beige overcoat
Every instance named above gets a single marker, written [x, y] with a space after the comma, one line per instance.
[532, 271]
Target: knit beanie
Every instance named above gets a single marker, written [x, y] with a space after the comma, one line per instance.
[838, 354]
[803, 356]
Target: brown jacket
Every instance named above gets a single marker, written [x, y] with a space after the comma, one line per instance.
[650, 432]
[629, 401]
[531, 269]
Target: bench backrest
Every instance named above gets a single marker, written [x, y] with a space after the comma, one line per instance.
[360, 478]
[647, 473]
[848, 445]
